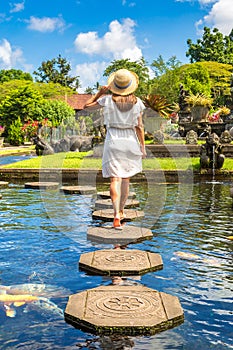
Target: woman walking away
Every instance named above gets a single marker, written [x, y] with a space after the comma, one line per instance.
[124, 146]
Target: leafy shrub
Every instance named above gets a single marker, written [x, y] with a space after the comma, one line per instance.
[15, 133]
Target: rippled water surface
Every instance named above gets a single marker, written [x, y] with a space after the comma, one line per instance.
[43, 233]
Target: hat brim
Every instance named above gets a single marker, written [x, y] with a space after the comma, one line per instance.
[127, 91]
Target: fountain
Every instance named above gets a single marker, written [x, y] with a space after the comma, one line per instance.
[211, 156]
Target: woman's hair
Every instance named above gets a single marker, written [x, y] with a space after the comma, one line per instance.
[124, 103]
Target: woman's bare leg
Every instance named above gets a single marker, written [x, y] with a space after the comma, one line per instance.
[115, 193]
[124, 195]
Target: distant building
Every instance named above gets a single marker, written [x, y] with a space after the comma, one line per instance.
[77, 102]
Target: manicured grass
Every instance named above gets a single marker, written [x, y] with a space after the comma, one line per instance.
[80, 160]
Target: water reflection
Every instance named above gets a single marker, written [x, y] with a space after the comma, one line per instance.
[43, 234]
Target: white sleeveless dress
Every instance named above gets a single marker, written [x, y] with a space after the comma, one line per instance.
[122, 156]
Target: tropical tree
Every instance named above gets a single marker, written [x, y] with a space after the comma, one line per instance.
[211, 79]
[166, 85]
[56, 112]
[57, 70]
[160, 66]
[53, 90]
[8, 87]
[213, 46]
[138, 67]
[89, 90]
[24, 103]
[14, 74]
[195, 79]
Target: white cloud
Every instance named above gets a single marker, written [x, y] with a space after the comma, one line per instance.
[46, 24]
[220, 16]
[207, 2]
[90, 74]
[4, 18]
[118, 43]
[130, 4]
[8, 56]
[17, 7]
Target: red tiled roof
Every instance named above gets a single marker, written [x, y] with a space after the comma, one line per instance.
[78, 101]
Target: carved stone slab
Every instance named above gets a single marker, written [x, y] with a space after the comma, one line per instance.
[4, 184]
[120, 262]
[78, 189]
[107, 214]
[108, 234]
[107, 204]
[128, 310]
[42, 185]
[106, 195]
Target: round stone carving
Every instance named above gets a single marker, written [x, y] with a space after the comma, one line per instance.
[123, 258]
[120, 262]
[125, 305]
[123, 309]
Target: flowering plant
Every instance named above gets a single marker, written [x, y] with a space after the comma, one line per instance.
[2, 129]
[30, 128]
[216, 116]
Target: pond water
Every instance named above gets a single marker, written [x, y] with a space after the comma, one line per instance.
[43, 233]
[14, 158]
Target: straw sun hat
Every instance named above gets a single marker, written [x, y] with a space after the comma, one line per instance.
[123, 82]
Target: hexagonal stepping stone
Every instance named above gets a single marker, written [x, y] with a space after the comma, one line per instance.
[107, 204]
[78, 189]
[106, 195]
[108, 234]
[120, 262]
[42, 185]
[125, 310]
[4, 184]
[107, 214]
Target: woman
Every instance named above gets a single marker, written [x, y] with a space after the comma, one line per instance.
[124, 145]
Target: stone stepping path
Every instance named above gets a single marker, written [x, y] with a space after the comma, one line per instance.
[4, 184]
[120, 262]
[121, 308]
[107, 204]
[106, 195]
[42, 185]
[78, 189]
[109, 235]
[128, 310]
[107, 214]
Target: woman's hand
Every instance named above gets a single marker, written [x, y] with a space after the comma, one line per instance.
[103, 90]
[143, 150]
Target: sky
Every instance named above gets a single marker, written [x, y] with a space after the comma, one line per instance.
[90, 34]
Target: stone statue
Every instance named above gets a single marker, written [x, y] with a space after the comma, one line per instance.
[158, 137]
[68, 143]
[42, 147]
[182, 99]
[211, 156]
[225, 137]
[191, 138]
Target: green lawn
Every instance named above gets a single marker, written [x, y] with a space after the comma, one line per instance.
[80, 160]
